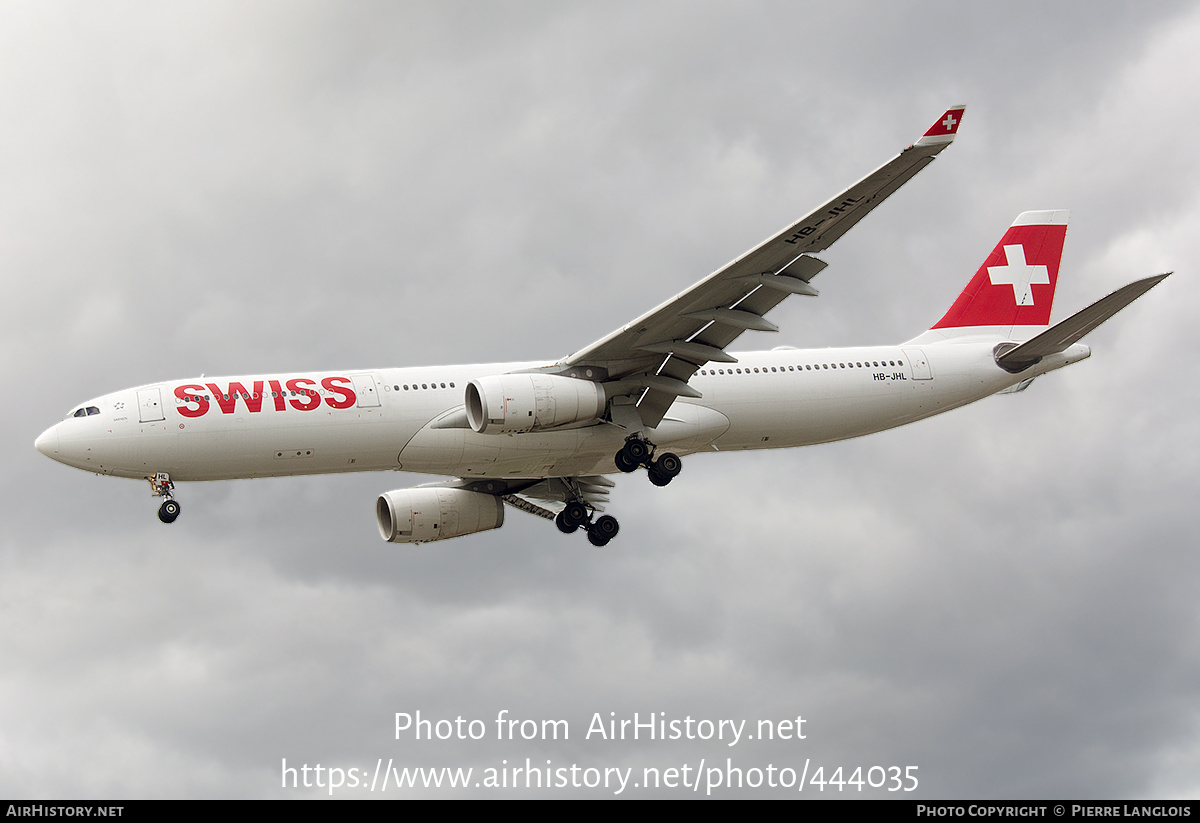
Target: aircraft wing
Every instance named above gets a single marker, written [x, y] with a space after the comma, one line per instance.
[653, 357]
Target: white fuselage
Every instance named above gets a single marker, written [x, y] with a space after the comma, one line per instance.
[412, 420]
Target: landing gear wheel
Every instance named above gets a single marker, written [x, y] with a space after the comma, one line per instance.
[636, 451]
[574, 515]
[624, 463]
[604, 529]
[563, 525]
[168, 511]
[161, 486]
[668, 465]
[656, 477]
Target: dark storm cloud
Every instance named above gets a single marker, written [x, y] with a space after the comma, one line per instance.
[1002, 597]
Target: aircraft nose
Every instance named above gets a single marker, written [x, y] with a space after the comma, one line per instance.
[47, 443]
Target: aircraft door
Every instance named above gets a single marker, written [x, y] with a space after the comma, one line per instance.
[364, 388]
[150, 405]
[918, 363]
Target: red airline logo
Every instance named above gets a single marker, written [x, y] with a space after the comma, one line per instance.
[300, 393]
[1015, 285]
[947, 126]
[1019, 274]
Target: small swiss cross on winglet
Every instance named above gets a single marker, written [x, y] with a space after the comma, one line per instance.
[944, 129]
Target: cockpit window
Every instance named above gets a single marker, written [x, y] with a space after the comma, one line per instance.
[86, 411]
[92, 410]
[80, 413]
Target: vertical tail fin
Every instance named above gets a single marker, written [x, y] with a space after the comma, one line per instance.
[1015, 285]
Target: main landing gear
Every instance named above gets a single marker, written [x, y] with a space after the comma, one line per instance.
[576, 514]
[638, 451]
[161, 486]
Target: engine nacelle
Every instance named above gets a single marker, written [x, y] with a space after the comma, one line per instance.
[512, 403]
[422, 515]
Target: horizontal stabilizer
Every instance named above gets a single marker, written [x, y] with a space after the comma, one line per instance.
[1062, 335]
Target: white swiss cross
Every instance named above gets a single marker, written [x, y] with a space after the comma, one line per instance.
[1019, 274]
[949, 122]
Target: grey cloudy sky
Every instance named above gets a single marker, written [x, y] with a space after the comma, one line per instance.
[1003, 597]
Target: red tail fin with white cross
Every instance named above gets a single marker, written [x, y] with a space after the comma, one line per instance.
[1015, 285]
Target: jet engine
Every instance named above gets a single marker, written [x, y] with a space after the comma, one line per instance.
[512, 403]
[424, 514]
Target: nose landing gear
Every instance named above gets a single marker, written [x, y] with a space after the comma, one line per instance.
[161, 486]
[168, 511]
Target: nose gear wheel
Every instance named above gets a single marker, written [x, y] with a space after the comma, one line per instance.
[161, 486]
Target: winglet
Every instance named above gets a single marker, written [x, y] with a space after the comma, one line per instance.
[944, 129]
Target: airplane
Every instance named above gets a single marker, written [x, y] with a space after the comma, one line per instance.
[543, 436]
